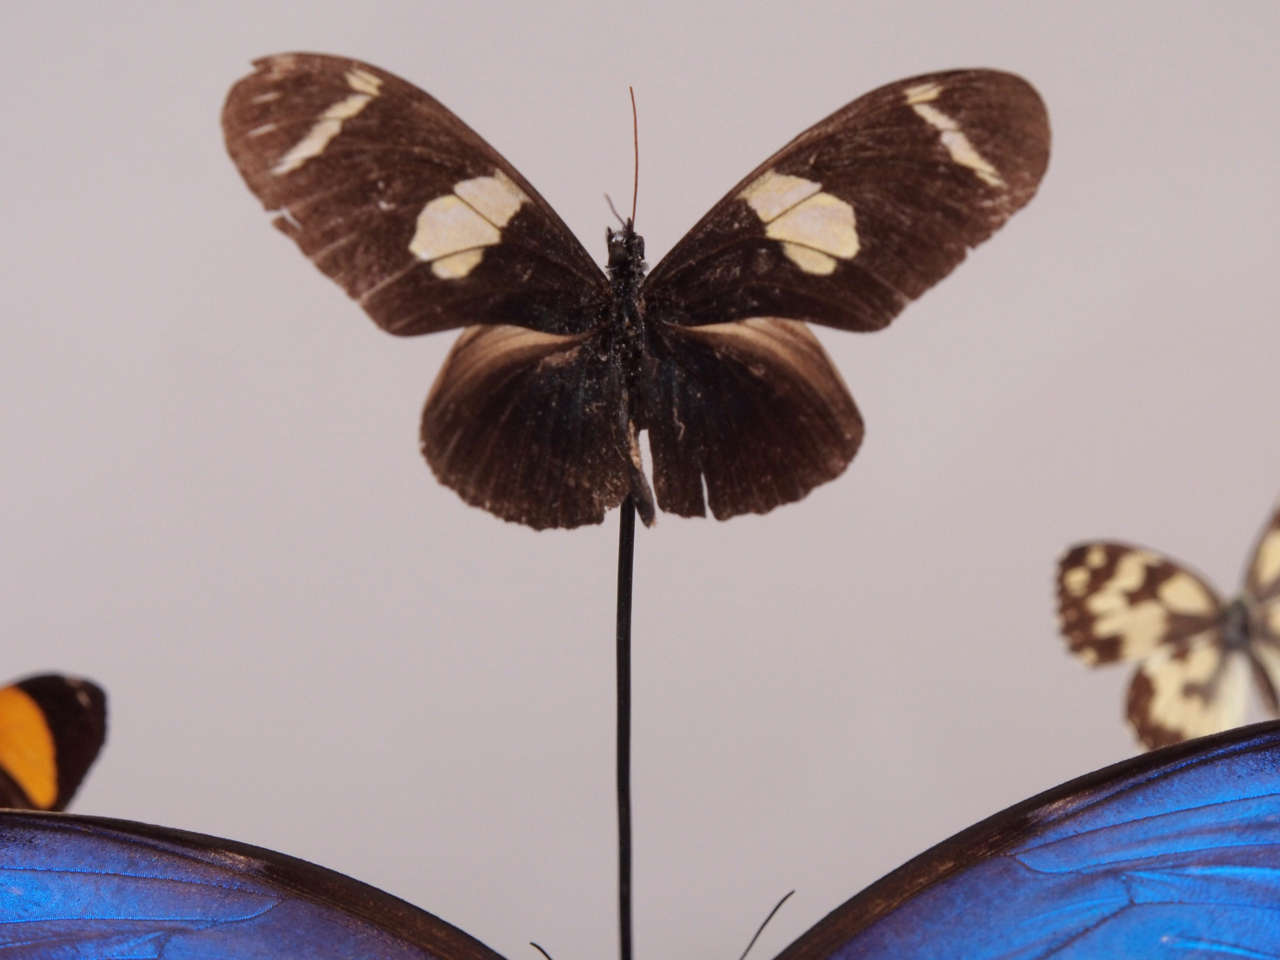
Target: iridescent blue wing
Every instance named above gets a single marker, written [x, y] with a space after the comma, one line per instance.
[1170, 854]
[1174, 852]
[88, 887]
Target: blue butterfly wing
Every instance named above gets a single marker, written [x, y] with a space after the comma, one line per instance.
[78, 887]
[1171, 854]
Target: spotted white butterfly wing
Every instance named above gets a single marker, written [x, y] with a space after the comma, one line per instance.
[1118, 602]
[1195, 653]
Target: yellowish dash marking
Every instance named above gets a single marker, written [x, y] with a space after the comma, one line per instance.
[366, 87]
[1096, 557]
[27, 751]
[452, 230]
[813, 227]
[922, 92]
[957, 144]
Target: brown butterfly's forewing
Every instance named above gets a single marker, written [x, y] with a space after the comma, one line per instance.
[865, 210]
[400, 202]
[429, 228]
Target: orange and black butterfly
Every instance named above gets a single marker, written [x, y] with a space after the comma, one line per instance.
[51, 729]
[538, 411]
[1194, 651]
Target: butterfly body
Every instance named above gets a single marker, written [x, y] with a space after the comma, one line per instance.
[538, 412]
[1195, 651]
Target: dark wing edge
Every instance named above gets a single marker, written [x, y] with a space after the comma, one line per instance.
[401, 203]
[69, 715]
[62, 843]
[865, 210]
[1206, 810]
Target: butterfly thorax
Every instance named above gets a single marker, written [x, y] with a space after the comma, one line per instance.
[1237, 625]
[627, 335]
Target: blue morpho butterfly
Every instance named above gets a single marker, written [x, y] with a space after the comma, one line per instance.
[1171, 853]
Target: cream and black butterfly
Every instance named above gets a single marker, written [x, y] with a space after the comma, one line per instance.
[537, 413]
[1194, 652]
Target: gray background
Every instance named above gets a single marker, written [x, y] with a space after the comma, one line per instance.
[213, 501]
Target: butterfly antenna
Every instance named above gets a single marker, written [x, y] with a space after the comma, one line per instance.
[635, 140]
[609, 200]
[540, 950]
[765, 923]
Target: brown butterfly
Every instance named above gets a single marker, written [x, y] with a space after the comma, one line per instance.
[1194, 652]
[537, 413]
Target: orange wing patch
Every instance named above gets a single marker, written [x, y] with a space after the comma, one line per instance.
[51, 729]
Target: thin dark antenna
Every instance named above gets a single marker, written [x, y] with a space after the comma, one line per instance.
[635, 139]
[540, 950]
[609, 200]
[765, 923]
[626, 554]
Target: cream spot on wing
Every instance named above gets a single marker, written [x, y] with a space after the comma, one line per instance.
[1140, 626]
[262, 130]
[809, 260]
[1131, 570]
[362, 81]
[451, 230]
[1266, 564]
[822, 222]
[1193, 712]
[772, 194]
[1183, 593]
[922, 92]
[958, 145]
[457, 265]
[495, 198]
[326, 128]
[813, 227]
[1076, 581]
[1096, 557]
[447, 226]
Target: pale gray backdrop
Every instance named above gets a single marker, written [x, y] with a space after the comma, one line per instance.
[213, 501]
